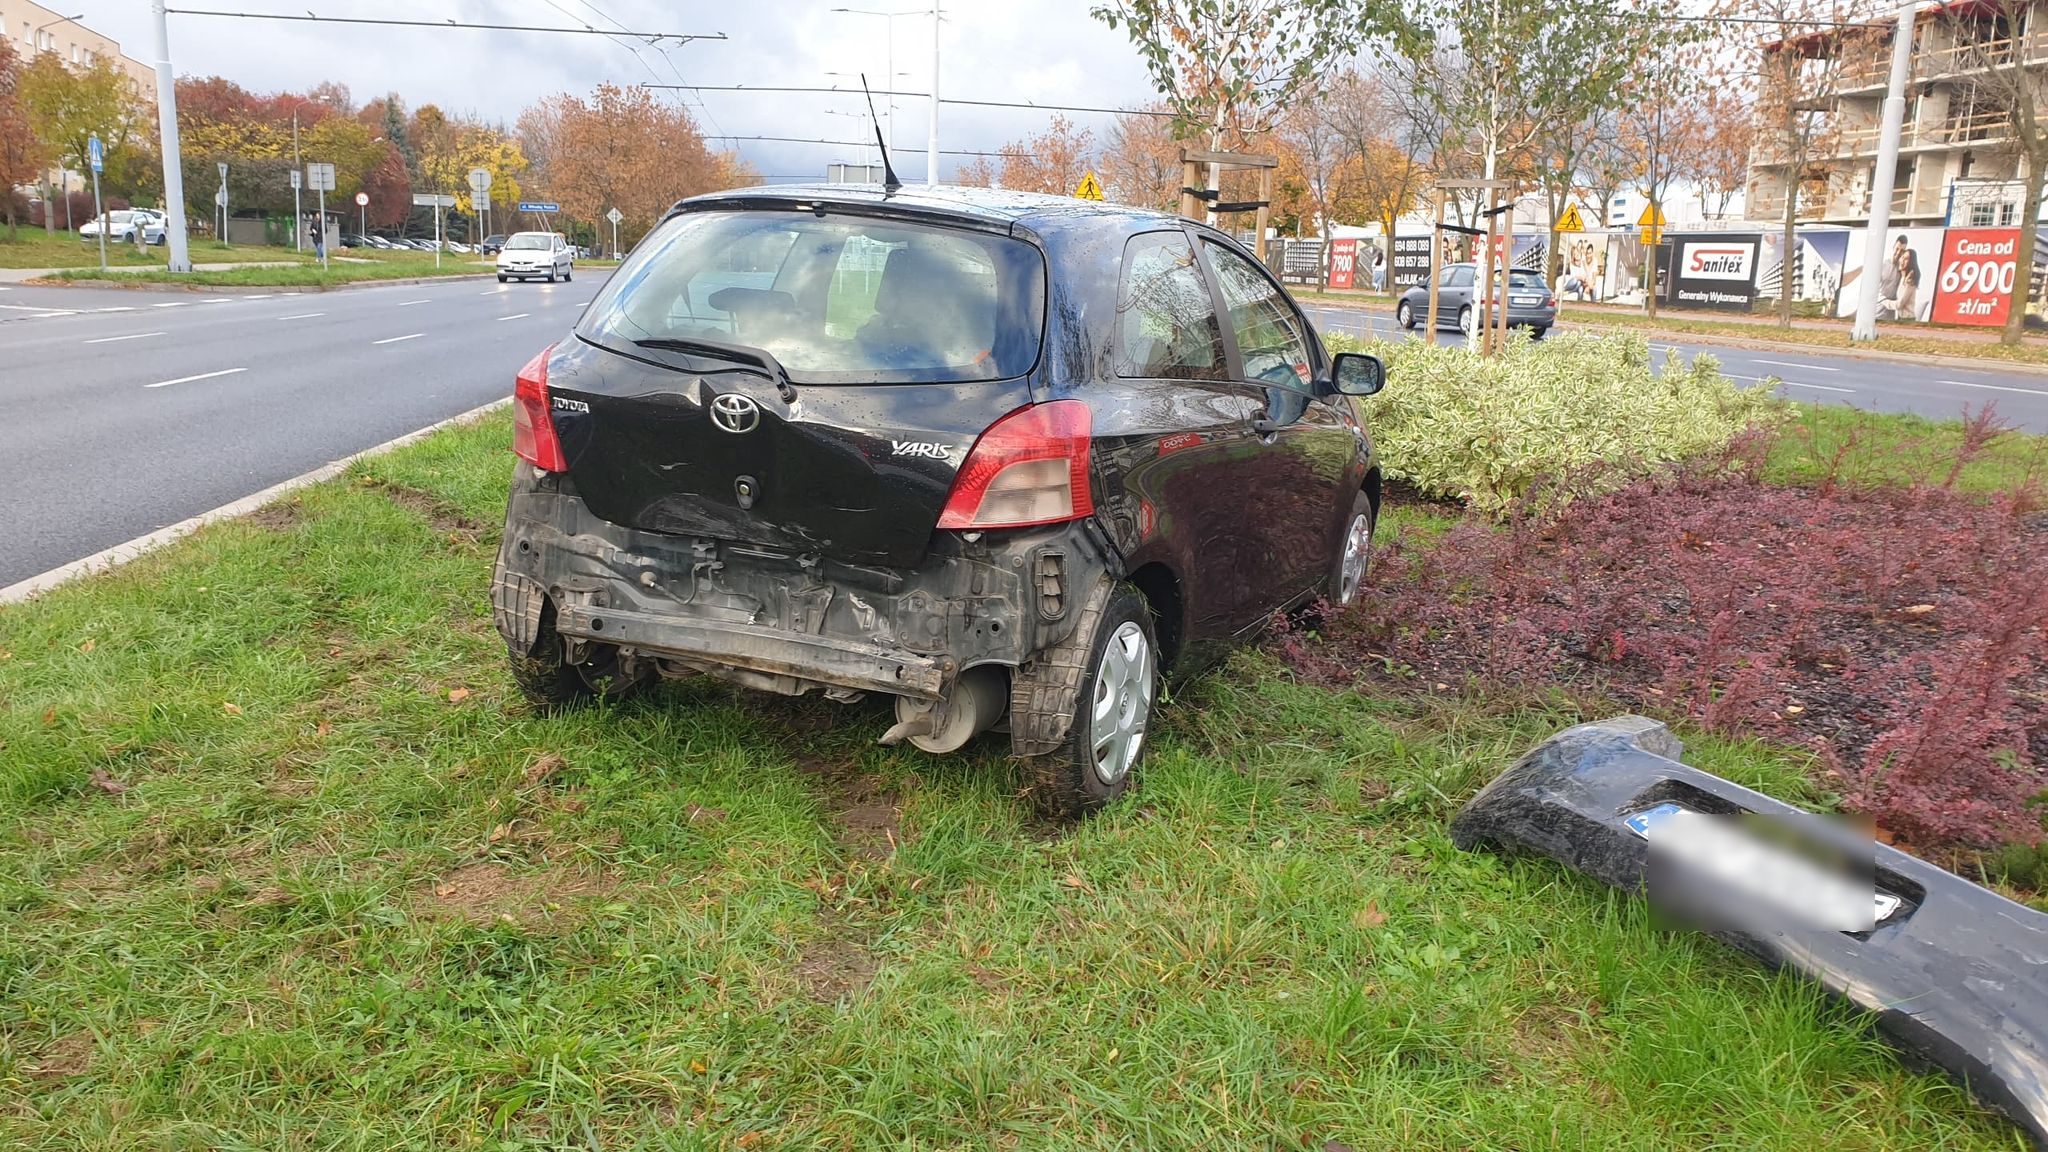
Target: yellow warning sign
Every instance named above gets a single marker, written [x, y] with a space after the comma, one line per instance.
[1652, 217]
[1090, 189]
[1571, 221]
[1653, 236]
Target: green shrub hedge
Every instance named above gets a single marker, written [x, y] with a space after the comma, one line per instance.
[1546, 421]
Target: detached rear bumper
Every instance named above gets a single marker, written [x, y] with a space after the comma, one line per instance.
[1957, 977]
[777, 620]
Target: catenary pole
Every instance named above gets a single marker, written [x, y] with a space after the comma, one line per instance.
[931, 147]
[167, 126]
[1881, 181]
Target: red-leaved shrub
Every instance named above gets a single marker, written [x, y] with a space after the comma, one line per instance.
[1901, 631]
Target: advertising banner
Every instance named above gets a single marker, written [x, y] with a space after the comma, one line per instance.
[1411, 260]
[1714, 270]
[1978, 272]
[1905, 278]
[1343, 263]
[1818, 255]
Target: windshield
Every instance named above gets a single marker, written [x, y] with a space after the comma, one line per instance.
[835, 298]
[1519, 278]
[529, 240]
[120, 217]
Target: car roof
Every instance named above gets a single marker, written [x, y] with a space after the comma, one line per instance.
[1035, 210]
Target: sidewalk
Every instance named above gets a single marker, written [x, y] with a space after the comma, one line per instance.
[17, 275]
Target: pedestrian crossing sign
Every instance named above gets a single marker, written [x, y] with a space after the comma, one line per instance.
[1090, 189]
[1571, 221]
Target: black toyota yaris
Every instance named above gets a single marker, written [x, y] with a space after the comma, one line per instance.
[1005, 458]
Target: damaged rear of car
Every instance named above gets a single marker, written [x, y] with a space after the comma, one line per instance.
[852, 444]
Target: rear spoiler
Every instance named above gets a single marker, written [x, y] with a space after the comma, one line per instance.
[1956, 977]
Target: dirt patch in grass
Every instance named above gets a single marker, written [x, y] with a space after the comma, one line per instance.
[837, 965]
[65, 1058]
[281, 516]
[489, 892]
[866, 813]
[444, 518]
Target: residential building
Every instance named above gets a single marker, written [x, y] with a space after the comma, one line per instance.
[1955, 166]
[33, 28]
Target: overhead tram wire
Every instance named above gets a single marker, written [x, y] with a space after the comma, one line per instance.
[917, 95]
[652, 38]
[663, 49]
[846, 144]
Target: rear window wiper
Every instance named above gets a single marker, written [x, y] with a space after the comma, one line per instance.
[737, 353]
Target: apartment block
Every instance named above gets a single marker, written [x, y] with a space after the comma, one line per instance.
[1956, 164]
[32, 28]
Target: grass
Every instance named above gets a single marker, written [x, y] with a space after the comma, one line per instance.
[1899, 448]
[360, 265]
[1907, 342]
[285, 863]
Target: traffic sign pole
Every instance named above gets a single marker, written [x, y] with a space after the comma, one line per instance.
[96, 158]
[298, 212]
[615, 216]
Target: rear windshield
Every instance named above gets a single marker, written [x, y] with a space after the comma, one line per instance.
[530, 240]
[836, 298]
[1524, 278]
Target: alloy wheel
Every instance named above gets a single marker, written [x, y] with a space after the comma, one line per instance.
[1121, 703]
[1357, 548]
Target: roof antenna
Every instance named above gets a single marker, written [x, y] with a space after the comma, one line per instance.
[889, 181]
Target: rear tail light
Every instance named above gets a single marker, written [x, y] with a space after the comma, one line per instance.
[1549, 301]
[1030, 468]
[533, 426]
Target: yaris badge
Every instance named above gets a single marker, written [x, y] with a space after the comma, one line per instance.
[735, 413]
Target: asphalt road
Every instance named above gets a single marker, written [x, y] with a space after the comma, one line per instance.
[1937, 390]
[130, 410]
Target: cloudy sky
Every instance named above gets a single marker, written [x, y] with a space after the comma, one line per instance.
[1028, 50]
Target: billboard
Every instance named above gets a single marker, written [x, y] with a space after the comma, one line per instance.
[1905, 276]
[1713, 270]
[1343, 263]
[1978, 272]
[1411, 260]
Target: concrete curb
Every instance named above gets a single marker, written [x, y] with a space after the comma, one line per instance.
[1730, 340]
[121, 554]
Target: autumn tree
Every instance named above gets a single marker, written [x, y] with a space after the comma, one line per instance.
[1657, 98]
[976, 173]
[1713, 156]
[1393, 135]
[1798, 68]
[1141, 160]
[1234, 66]
[1052, 161]
[67, 106]
[22, 154]
[620, 148]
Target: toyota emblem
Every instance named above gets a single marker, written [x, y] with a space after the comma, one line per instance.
[735, 413]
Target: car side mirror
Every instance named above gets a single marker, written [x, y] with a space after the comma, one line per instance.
[1357, 374]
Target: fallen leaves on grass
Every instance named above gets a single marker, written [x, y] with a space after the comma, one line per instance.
[231, 708]
[106, 783]
[458, 695]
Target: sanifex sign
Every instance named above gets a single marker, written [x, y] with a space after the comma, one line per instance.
[1715, 271]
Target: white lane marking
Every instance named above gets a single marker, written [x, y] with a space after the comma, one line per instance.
[201, 376]
[263, 297]
[494, 291]
[396, 339]
[173, 304]
[515, 316]
[51, 315]
[218, 300]
[302, 316]
[116, 308]
[1822, 387]
[1995, 387]
[130, 336]
[1789, 364]
[410, 303]
[120, 554]
[23, 308]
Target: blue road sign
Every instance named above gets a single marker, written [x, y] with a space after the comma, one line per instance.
[95, 153]
[538, 206]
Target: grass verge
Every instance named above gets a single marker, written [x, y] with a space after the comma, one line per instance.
[285, 862]
[359, 267]
[1891, 339]
[31, 248]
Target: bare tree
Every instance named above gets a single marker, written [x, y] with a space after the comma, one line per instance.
[2002, 106]
[1393, 134]
[1141, 161]
[1318, 151]
[1657, 110]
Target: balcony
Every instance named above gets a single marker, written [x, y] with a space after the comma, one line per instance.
[1963, 58]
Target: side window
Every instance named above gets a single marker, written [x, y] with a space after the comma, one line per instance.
[1270, 336]
[1166, 326]
[1461, 278]
[1447, 278]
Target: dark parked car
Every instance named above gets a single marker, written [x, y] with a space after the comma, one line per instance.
[492, 244]
[998, 456]
[1531, 304]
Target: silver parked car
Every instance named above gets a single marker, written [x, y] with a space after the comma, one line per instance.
[1531, 304]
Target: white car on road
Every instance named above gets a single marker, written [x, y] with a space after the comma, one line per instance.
[121, 226]
[530, 254]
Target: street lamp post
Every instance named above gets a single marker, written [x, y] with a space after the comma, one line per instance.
[932, 145]
[180, 260]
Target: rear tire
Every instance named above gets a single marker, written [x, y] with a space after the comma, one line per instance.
[1404, 315]
[1465, 321]
[552, 685]
[569, 276]
[501, 279]
[1539, 331]
[1106, 740]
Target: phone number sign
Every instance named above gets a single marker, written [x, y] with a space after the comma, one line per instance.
[1979, 269]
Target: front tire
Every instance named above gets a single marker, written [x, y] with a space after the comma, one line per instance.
[1404, 315]
[551, 277]
[501, 279]
[1465, 321]
[1105, 744]
[1354, 554]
